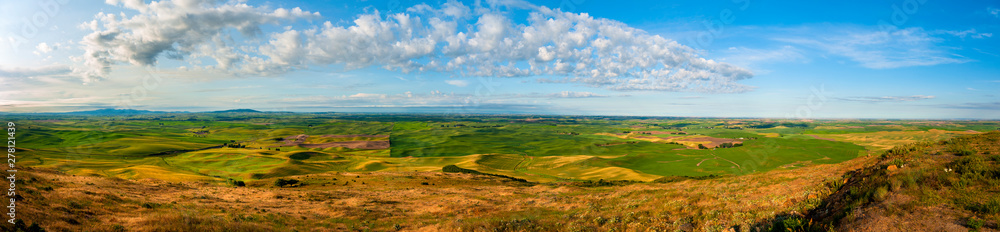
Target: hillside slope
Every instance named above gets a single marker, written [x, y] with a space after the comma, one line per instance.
[951, 185]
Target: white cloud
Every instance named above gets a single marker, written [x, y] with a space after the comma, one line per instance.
[878, 49]
[177, 29]
[34, 71]
[993, 11]
[966, 33]
[452, 39]
[368, 95]
[459, 83]
[571, 94]
[888, 98]
[44, 48]
[749, 56]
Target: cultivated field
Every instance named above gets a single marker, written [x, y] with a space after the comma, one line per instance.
[328, 171]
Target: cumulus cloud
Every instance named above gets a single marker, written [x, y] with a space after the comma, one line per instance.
[44, 48]
[34, 71]
[993, 11]
[176, 29]
[477, 41]
[888, 98]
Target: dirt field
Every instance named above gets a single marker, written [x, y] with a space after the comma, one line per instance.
[710, 142]
[295, 140]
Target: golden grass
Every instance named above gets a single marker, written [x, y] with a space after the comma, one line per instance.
[885, 140]
[389, 200]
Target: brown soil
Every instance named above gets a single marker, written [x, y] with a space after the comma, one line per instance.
[295, 140]
[712, 142]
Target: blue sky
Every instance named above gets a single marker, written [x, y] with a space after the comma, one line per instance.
[846, 59]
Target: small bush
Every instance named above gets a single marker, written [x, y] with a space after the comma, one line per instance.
[788, 224]
[991, 206]
[975, 223]
[974, 165]
[964, 152]
[237, 183]
[149, 205]
[283, 182]
[118, 228]
[881, 193]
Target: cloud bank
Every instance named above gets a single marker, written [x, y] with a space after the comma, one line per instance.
[464, 41]
[35, 71]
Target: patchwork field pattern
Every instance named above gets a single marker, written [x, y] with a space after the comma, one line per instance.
[250, 146]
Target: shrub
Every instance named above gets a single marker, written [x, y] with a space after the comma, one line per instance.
[283, 182]
[991, 206]
[149, 205]
[963, 152]
[975, 223]
[237, 183]
[788, 224]
[974, 165]
[881, 193]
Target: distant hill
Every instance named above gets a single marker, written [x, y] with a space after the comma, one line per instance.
[235, 111]
[129, 112]
[111, 112]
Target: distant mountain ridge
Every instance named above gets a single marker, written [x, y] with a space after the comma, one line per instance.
[125, 112]
[235, 111]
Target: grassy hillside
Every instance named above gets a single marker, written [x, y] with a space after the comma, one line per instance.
[951, 185]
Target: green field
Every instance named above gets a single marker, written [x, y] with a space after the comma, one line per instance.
[247, 146]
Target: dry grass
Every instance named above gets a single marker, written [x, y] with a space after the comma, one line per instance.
[885, 140]
[417, 201]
